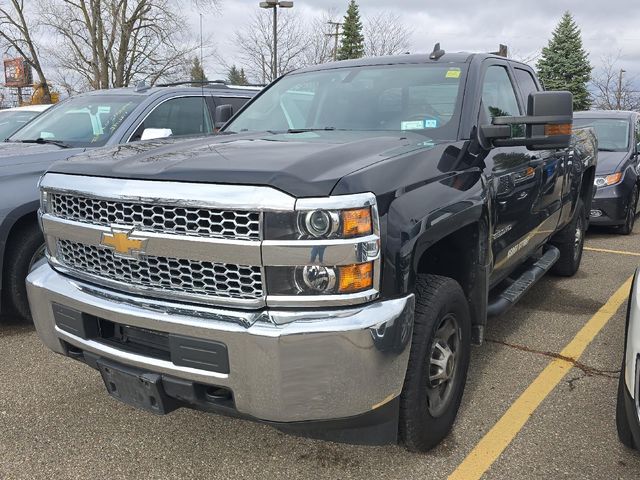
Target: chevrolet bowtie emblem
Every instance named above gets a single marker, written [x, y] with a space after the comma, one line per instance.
[123, 243]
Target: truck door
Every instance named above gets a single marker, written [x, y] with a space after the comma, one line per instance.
[516, 175]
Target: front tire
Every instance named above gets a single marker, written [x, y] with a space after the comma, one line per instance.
[438, 363]
[627, 227]
[570, 242]
[25, 248]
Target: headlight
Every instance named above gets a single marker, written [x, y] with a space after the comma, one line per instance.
[608, 180]
[320, 224]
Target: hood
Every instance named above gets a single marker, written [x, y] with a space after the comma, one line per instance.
[610, 162]
[302, 164]
[15, 153]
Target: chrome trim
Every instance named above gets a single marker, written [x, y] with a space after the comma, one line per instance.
[632, 350]
[241, 252]
[214, 196]
[285, 367]
[291, 253]
[337, 202]
[341, 300]
[248, 303]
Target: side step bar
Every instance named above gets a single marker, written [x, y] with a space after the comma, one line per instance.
[514, 292]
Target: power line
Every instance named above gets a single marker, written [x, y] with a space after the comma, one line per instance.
[336, 36]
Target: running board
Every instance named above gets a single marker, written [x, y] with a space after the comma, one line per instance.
[514, 292]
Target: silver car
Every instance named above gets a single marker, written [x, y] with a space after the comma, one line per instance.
[628, 406]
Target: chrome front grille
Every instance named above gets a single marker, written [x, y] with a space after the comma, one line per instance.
[182, 220]
[163, 273]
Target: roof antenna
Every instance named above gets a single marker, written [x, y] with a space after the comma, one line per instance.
[437, 52]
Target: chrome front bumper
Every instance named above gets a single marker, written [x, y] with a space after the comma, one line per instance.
[285, 366]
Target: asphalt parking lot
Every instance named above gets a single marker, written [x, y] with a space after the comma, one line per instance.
[56, 421]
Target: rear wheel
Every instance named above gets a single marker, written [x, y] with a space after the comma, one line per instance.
[627, 227]
[570, 242]
[438, 363]
[25, 249]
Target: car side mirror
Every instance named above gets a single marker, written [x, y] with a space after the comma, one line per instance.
[153, 133]
[222, 115]
[547, 125]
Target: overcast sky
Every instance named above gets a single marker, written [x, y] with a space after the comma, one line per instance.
[467, 25]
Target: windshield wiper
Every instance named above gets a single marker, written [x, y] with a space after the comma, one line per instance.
[608, 149]
[304, 130]
[47, 141]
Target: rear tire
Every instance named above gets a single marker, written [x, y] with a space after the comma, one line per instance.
[622, 421]
[24, 249]
[438, 363]
[570, 242]
[627, 227]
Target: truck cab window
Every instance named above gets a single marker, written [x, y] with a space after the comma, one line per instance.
[182, 115]
[498, 96]
[526, 83]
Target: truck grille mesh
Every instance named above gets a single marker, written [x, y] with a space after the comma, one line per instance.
[194, 221]
[162, 273]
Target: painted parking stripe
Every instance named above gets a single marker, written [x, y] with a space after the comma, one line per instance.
[619, 252]
[491, 446]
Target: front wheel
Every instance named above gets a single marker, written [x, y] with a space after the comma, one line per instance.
[570, 242]
[630, 219]
[438, 363]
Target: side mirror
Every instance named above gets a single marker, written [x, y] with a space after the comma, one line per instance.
[547, 125]
[153, 133]
[222, 115]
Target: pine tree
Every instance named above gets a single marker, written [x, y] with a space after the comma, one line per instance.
[237, 77]
[352, 45]
[564, 64]
[197, 72]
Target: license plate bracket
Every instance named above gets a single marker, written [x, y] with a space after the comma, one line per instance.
[136, 387]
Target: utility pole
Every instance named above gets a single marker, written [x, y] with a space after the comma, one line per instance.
[619, 93]
[336, 36]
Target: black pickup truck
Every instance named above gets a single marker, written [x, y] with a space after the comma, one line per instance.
[325, 265]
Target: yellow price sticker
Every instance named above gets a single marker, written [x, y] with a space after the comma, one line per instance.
[453, 73]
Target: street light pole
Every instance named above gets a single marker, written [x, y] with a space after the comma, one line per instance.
[274, 4]
[619, 95]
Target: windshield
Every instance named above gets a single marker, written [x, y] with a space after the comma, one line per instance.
[11, 121]
[86, 121]
[613, 134]
[423, 98]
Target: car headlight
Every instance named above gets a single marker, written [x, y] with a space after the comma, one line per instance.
[608, 180]
[326, 247]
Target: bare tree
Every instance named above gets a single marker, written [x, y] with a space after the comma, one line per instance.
[385, 34]
[17, 31]
[113, 43]
[256, 44]
[322, 39]
[613, 89]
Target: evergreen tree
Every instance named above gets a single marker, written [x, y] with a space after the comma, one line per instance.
[352, 45]
[237, 77]
[564, 64]
[197, 72]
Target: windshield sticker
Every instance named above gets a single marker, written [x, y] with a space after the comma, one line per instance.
[453, 73]
[431, 123]
[412, 125]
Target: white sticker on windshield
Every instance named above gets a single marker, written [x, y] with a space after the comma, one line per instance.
[432, 123]
[412, 125]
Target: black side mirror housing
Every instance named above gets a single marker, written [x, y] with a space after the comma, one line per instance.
[548, 124]
[223, 114]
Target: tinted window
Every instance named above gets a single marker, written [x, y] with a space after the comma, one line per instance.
[12, 121]
[182, 115]
[526, 83]
[613, 135]
[498, 96]
[236, 102]
[424, 98]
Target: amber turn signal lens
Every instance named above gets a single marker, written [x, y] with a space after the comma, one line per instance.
[355, 278]
[553, 130]
[356, 223]
[613, 178]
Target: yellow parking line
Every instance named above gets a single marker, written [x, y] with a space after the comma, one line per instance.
[491, 446]
[619, 252]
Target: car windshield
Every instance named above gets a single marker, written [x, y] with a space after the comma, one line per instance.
[85, 121]
[13, 120]
[613, 134]
[424, 98]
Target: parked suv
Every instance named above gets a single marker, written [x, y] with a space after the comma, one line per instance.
[617, 179]
[326, 268]
[85, 122]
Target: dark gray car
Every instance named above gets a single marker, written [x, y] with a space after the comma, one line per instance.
[87, 121]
